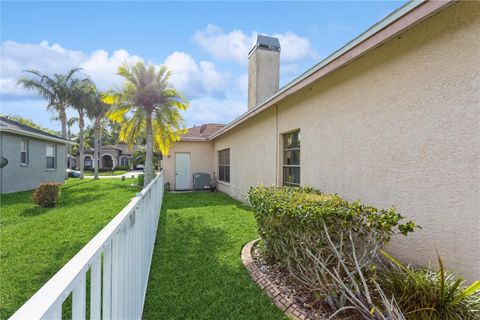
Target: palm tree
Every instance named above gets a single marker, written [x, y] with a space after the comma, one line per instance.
[56, 90]
[70, 122]
[82, 99]
[147, 100]
[97, 113]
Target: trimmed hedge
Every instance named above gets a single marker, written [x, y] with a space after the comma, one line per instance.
[304, 228]
[122, 168]
[46, 194]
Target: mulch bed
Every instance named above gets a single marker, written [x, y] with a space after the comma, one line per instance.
[302, 303]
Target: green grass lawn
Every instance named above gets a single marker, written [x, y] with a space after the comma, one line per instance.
[196, 269]
[106, 173]
[36, 242]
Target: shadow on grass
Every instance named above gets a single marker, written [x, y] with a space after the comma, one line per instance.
[35, 211]
[196, 269]
[200, 199]
[76, 184]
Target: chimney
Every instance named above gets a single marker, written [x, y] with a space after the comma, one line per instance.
[263, 70]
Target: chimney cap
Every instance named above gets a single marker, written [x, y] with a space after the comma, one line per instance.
[267, 43]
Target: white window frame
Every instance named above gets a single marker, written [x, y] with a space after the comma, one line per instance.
[24, 148]
[224, 165]
[54, 156]
[285, 165]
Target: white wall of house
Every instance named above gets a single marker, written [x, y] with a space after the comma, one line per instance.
[201, 159]
[16, 176]
[398, 126]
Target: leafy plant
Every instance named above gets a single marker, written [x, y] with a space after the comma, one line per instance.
[46, 194]
[122, 168]
[306, 230]
[428, 294]
[141, 179]
[147, 106]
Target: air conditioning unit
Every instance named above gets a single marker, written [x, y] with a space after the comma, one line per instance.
[201, 181]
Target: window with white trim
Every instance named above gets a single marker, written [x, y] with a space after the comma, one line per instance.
[24, 152]
[124, 161]
[87, 162]
[51, 156]
[291, 159]
[224, 165]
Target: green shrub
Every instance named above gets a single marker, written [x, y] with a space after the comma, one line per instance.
[141, 179]
[304, 228]
[46, 194]
[422, 293]
[122, 168]
[283, 212]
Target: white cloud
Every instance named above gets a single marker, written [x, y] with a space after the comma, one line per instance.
[228, 46]
[195, 79]
[214, 95]
[16, 57]
[236, 44]
[213, 110]
[102, 67]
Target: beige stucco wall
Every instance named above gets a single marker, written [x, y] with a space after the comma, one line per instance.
[399, 126]
[201, 159]
[252, 154]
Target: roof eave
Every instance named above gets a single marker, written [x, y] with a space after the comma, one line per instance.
[35, 135]
[194, 139]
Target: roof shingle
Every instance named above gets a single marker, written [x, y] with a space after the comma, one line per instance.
[203, 131]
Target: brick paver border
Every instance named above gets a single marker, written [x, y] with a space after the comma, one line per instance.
[291, 309]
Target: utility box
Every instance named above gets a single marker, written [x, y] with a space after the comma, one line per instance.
[201, 181]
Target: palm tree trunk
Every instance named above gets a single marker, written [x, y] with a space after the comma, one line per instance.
[69, 150]
[63, 119]
[81, 125]
[96, 145]
[149, 151]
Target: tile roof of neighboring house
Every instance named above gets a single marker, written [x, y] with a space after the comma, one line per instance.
[8, 125]
[202, 132]
[122, 147]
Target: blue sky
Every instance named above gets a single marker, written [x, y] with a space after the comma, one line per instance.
[205, 44]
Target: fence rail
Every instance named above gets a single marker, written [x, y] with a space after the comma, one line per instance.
[118, 259]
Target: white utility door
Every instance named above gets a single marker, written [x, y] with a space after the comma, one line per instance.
[182, 171]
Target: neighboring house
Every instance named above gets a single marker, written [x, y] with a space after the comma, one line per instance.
[111, 156]
[33, 156]
[392, 118]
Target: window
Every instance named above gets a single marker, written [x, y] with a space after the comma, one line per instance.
[24, 152]
[51, 156]
[224, 165]
[291, 159]
[87, 162]
[124, 161]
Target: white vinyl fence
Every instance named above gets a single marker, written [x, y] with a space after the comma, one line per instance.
[118, 258]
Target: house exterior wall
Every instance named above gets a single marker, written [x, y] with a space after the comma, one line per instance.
[16, 177]
[201, 159]
[253, 156]
[398, 126]
[114, 154]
